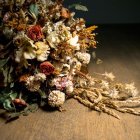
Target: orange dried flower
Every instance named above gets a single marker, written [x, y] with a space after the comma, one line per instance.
[65, 13]
[23, 78]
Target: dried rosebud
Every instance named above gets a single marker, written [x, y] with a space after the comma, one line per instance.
[65, 13]
[47, 68]
[19, 102]
[35, 33]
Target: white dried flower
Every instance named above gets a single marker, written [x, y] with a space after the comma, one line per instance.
[113, 93]
[83, 57]
[109, 76]
[56, 98]
[69, 87]
[131, 89]
[57, 33]
[53, 39]
[32, 84]
[29, 55]
[104, 84]
[40, 77]
[26, 48]
[74, 42]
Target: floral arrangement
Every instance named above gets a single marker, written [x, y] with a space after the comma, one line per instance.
[44, 52]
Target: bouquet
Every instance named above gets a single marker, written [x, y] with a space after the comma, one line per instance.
[43, 56]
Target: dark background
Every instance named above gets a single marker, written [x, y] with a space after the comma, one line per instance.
[109, 11]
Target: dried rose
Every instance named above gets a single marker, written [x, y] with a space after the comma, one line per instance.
[47, 68]
[19, 102]
[35, 33]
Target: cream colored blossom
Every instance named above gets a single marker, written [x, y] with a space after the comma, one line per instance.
[131, 89]
[109, 76]
[33, 82]
[42, 52]
[25, 48]
[83, 57]
[57, 33]
[69, 87]
[74, 42]
[56, 98]
[104, 84]
[113, 93]
[40, 77]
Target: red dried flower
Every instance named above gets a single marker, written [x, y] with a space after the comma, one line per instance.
[34, 33]
[47, 68]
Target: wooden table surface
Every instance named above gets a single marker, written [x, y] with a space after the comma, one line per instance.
[119, 48]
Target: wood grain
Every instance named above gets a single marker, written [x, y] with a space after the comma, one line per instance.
[119, 48]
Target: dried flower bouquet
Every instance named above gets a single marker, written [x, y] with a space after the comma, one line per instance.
[43, 52]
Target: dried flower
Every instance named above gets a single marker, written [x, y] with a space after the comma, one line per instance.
[33, 82]
[109, 76]
[40, 77]
[69, 87]
[74, 42]
[65, 13]
[104, 84]
[83, 57]
[62, 83]
[113, 93]
[19, 102]
[56, 98]
[42, 51]
[47, 68]
[131, 89]
[35, 33]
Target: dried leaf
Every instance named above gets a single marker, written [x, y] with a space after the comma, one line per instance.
[3, 62]
[34, 9]
[94, 55]
[13, 96]
[79, 7]
[7, 104]
[99, 61]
